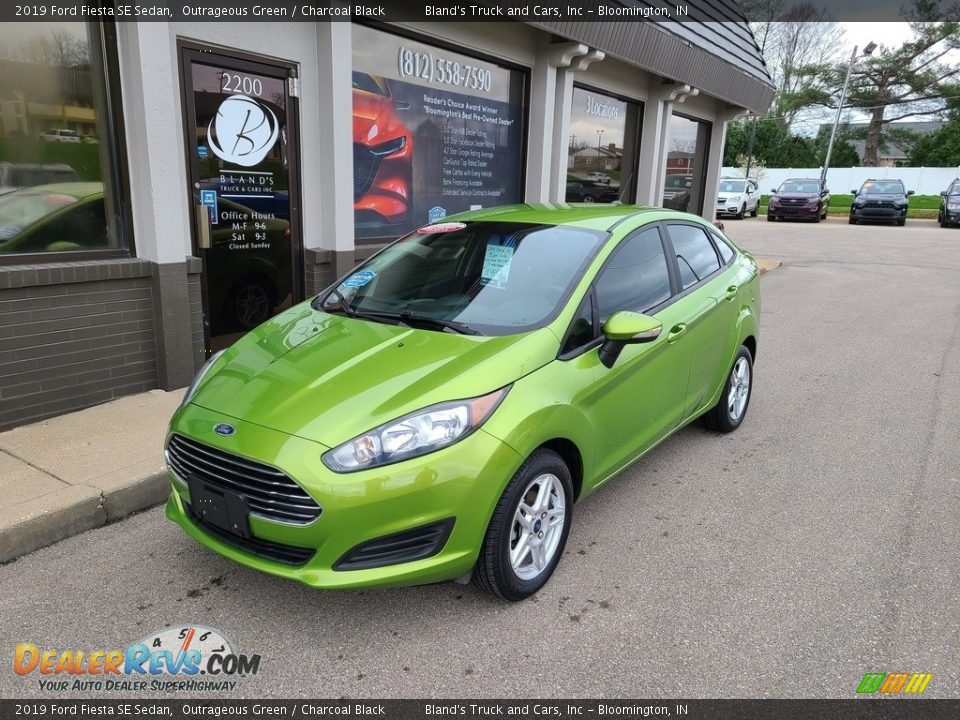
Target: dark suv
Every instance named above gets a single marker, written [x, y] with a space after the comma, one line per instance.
[802, 198]
[949, 213]
[880, 201]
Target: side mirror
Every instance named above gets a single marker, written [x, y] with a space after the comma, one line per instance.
[824, 192]
[626, 328]
[773, 190]
[943, 193]
[910, 192]
[853, 192]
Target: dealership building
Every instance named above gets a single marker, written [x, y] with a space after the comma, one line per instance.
[165, 186]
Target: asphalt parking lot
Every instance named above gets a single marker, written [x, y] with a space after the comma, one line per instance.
[817, 543]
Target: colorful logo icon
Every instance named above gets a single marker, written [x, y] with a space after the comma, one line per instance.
[894, 683]
[224, 429]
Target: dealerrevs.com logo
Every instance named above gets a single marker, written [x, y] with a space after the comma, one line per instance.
[190, 658]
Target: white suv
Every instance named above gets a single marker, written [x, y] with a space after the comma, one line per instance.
[738, 197]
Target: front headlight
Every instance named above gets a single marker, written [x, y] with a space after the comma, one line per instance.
[420, 433]
[192, 388]
[953, 205]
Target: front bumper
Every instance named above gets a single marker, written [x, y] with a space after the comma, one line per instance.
[461, 483]
[805, 212]
[884, 213]
[728, 210]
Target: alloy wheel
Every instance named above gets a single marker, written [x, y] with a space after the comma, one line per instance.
[739, 389]
[538, 525]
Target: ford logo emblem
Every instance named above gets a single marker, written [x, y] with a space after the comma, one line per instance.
[224, 429]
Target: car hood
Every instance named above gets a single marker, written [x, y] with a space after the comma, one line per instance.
[881, 196]
[329, 378]
[796, 196]
[732, 195]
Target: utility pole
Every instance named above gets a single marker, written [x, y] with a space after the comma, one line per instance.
[836, 121]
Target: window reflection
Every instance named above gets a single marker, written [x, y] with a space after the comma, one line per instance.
[56, 171]
[686, 164]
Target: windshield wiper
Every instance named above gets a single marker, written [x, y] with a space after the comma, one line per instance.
[438, 323]
[348, 309]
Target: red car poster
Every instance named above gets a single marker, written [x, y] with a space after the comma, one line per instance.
[434, 133]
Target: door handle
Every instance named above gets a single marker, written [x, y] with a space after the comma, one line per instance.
[731, 293]
[677, 332]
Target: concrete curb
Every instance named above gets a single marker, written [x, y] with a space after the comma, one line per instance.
[75, 472]
[49, 519]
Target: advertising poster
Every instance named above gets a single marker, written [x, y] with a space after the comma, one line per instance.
[435, 133]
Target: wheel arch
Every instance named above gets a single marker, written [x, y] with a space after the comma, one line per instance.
[568, 450]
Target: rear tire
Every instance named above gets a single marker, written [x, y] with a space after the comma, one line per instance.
[755, 211]
[526, 525]
[730, 410]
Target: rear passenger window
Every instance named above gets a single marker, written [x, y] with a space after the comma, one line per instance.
[726, 252]
[696, 257]
[636, 277]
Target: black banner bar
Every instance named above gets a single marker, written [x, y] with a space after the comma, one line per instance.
[466, 10]
[886, 709]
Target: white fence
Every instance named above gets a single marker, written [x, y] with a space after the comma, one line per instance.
[923, 181]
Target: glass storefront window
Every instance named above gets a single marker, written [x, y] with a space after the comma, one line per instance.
[57, 169]
[435, 132]
[686, 164]
[602, 148]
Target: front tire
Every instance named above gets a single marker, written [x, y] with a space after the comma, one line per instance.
[770, 218]
[729, 412]
[528, 530]
[743, 211]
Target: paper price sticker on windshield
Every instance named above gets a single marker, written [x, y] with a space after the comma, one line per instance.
[441, 228]
[496, 265]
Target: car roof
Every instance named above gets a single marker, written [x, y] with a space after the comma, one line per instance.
[596, 216]
[79, 190]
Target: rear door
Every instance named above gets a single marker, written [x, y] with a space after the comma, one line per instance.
[708, 305]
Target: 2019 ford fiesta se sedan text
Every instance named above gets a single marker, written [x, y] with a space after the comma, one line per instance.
[438, 412]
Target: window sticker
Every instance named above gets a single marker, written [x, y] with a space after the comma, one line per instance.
[496, 265]
[359, 279]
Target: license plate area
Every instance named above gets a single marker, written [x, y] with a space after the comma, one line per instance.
[219, 507]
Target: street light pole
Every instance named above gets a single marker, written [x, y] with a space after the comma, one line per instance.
[599, 143]
[836, 121]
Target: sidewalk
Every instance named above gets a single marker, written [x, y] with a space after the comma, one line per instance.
[61, 476]
[79, 471]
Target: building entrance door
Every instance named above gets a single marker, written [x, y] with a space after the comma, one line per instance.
[242, 154]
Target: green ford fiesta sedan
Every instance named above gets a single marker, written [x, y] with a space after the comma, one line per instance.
[438, 411]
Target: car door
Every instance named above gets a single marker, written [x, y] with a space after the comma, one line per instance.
[708, 304]
[638, 401]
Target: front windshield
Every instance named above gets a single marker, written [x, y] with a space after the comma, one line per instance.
[492, 278]
[799, 186]
[731, 187]
[882, 188]
[954, 190]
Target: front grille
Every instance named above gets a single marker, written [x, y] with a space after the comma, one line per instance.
[365, 166]
[416, 544]
[287, 554]
[269, 492]
[879, 204]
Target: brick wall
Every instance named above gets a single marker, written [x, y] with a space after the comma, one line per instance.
[74, 335]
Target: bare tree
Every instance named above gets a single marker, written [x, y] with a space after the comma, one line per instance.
[58, 49]
[798, 43]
